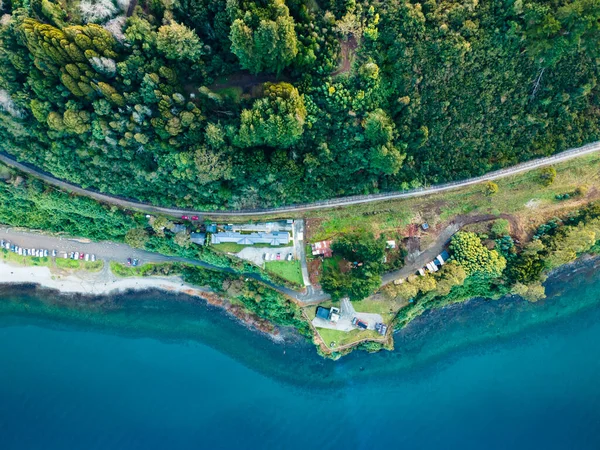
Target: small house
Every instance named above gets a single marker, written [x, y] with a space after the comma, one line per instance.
[330, 314]
[425, 226]
[322, 248]
[322, 313]
[178, 228]
[211, 228]
[198, 238]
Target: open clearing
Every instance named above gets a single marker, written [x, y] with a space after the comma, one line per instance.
[289, 270]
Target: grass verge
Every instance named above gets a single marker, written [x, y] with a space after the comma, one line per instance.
[288, 270]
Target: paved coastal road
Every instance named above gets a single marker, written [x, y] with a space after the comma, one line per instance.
[110, 251]
[332, 203]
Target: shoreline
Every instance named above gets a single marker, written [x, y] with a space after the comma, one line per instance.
[105, 283]
[93, 283]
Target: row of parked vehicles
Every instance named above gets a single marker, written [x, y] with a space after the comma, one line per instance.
[277, 257]
[41, 252]
[80, 256]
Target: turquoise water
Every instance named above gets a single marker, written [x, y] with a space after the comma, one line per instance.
[162, 372]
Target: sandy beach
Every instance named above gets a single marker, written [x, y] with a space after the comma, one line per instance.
[103, 282]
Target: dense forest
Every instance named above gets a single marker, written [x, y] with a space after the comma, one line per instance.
[249, 103]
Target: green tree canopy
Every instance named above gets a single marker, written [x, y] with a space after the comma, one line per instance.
[178, 42]
[277, 120]
[468, 251]
[364, 254]
[264, 39]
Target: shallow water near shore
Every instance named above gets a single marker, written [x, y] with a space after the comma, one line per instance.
[150, 370]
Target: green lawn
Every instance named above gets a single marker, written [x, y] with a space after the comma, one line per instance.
[47, 261]
[289, 270]
[25, 260]
[342, 338]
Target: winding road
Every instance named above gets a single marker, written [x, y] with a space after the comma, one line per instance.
[331, 203]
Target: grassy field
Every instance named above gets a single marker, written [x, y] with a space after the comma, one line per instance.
[522, 196]
[342, 338]
[60, 263]
[123, 270]
[289, 270]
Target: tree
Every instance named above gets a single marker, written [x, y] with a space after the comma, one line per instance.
[450, 275]
[468, 251]
[500, 227]
[66, 54]
[183, 239]
[554, 33]
[265, 44]
[379, 128]
[277, 120]
[491, 188]
[380, 132]
[136, 237]
[210, 166]
[179, 43]
[365, 255]
[547, 175]
[159, 224]
[531, 292]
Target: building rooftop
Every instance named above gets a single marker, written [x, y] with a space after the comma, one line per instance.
[274, 238]
[198, 238]
[322, 248]
[322, 313]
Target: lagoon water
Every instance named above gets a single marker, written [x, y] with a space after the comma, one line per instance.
[150, 371]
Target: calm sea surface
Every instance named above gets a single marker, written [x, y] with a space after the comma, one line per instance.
[151, 371]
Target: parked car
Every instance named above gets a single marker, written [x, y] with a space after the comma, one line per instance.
[136, 262]
[290, 257]
[195, 218]
[87, 256]
[53, 253]
[81, 256]
[45, 252]
[128, 261]
[359, 323]
[278, 256]
[20, 251]
[65, 255]
[93, 257]
[76, 255]
[185, 217]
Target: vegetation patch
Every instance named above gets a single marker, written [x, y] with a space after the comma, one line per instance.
[288, 270]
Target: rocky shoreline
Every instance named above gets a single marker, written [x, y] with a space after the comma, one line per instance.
[105, 283]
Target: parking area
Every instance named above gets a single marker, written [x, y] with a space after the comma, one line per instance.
[258, 255]
[347, 314]
[74, 248]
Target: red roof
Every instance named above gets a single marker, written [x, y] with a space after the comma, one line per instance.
[322, 248]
